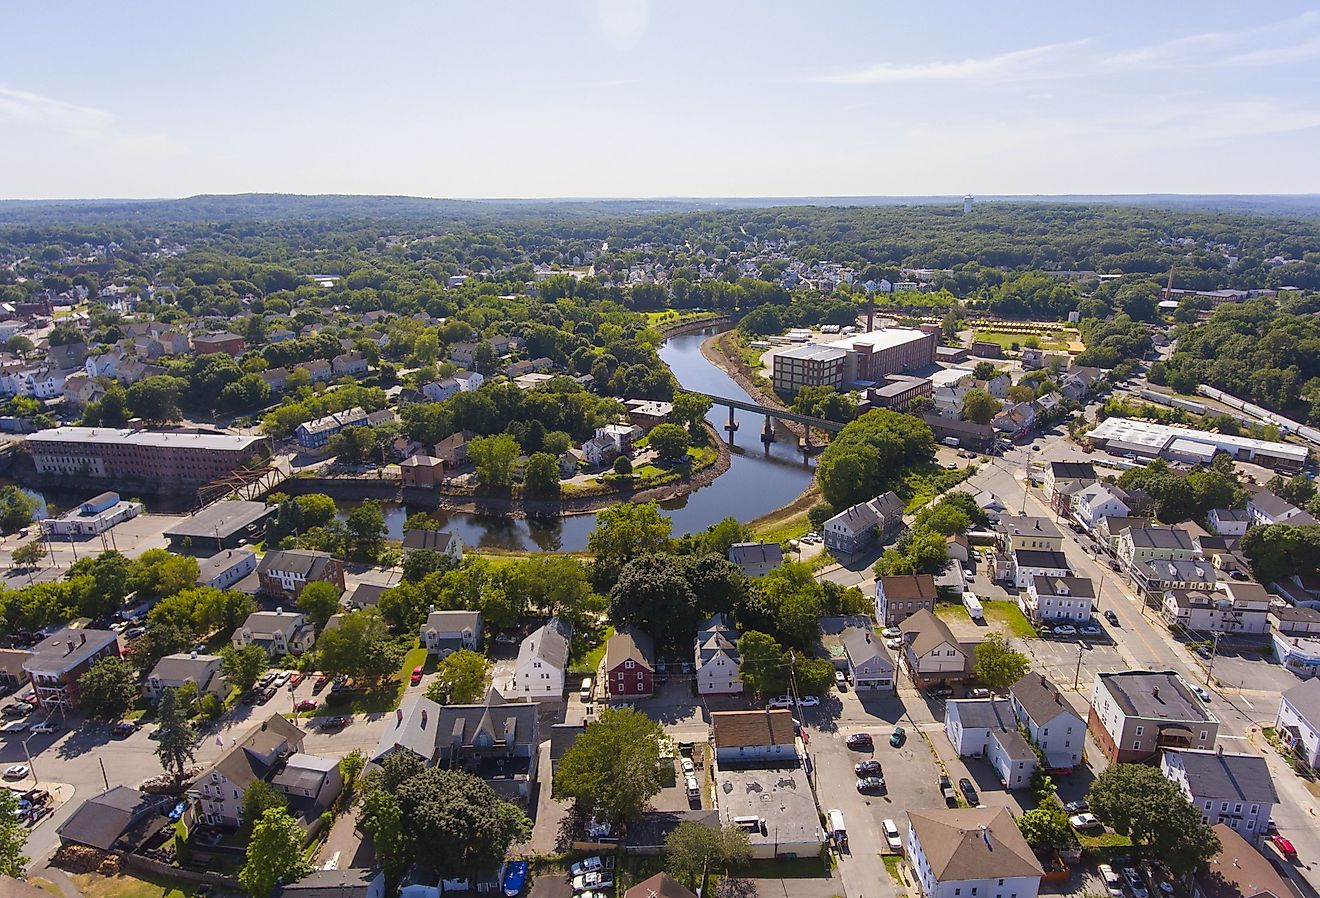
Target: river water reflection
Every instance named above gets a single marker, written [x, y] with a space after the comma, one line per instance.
[758, 480]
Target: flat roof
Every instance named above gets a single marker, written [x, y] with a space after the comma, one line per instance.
[1155, 695]
[1159, 436]
[221, 519]
[882, 338]
[157, 439]
[812, 352]
[781, 797]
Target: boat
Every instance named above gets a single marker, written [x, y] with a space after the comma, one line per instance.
[515, 877]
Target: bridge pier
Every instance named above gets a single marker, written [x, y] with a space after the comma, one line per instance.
[732, 426]
[768, 432]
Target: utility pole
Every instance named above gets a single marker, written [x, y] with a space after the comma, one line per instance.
[1077, 676]
[1210, 668]
[32, 770]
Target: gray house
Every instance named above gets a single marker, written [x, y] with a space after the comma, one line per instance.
[448, 631]
[1232, 789]
[496, 740]
[757, 738]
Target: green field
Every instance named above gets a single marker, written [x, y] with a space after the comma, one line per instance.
[1006, 339]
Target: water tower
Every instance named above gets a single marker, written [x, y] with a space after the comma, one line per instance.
[967, 204]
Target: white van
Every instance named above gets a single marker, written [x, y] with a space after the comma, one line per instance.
[585, 690]
[837, 829]
[693, 787]
[973, 605]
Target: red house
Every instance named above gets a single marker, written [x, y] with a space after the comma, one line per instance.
[629, 664]
[230, 344]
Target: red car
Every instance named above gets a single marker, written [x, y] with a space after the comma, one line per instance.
[307, 704]
[860, 742]
[297, 678]
[1285, 847]
[321, 682]
[417, 675]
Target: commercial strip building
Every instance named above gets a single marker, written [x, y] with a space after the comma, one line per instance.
[94, 516]
[1149, 440]
[142, 456]
[224, 525]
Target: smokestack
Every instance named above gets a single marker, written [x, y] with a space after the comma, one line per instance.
[870, 313]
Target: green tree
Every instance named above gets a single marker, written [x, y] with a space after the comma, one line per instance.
[494, 457]
[979, 406]
[457, 824]
[160, 573]
[316, 509]
[157, 398]
[763, 663]
[814, 676]
[242, 666]
[871, 455]
[556, 442]
[623, 532]
[984, 371]
[653, 593]
[17, 508]
[366, 529]
[998, 665]
[319, 601]
[108, 689]
[418, 563]
[614, 765]
[361, 647]
[460, 678]
[623, 466]
[29, 555]
[274, 854]
[1046, 826]
[355, 445]
[13, 837]
[1139, 802]
[381, 818]
[258, 798]
[695, 849]
[542, 475]
[669, 441]
[176, 738]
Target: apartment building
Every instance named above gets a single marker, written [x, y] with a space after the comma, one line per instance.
[141, 456]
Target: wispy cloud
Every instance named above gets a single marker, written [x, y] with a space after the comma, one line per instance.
[1013, 65]
[30, 111]
[1275, 43]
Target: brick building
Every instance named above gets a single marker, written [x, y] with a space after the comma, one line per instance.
[172, 457]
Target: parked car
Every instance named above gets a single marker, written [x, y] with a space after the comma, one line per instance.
[1284, 846]
[515, 877]
[307, 704]
[686, 763]
[941, 691]
[1090, 630]
[587, 865]
[336, 723]
[869, 784]
[282, 677]
[267, 678]
[860, 742]
[969, 791]
[1045, 630]
[867, 768]
[946, 789]
[297, 678]
[782, 701]
[891, 834]
[506, 638]
[891, 633]
[1083, 821]
[17, 771]
[1065, 630]
[1134, 883]
[979, 692]
[321, 682]
[1111, 617]
[1202, 693]
[808, 701]
[16, 709]
[1076, 807]
[44, 727]
[898, 737]
[894, 644]
[1203, 651]
[416, 675]
[1113, 882]
[599, 879]
[124, 729]
[840, 681]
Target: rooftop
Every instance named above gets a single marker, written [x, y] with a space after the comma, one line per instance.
[881, 339]
[1155, 695]
[153, 439]
[68, 648]
[739, 729]
[1223, 775]
[1156, 437]
[221, 520]
[1240, 871]
[781, 797]
[973, 843]
[1040, 698]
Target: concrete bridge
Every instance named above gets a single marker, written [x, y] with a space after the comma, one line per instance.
[771, 414]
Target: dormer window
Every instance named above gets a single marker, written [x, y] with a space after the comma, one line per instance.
[629, 664]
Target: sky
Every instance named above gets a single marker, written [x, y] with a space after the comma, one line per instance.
[635, 98]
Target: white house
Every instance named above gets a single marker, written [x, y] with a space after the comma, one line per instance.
[279, 632]
[716, 657]
[1229, 521]
[931, 653]
[1099, 500]
[221, 788]
[1050, 721]
[968, 722]
[1025, 565]
[1266, 508]
[1058, 598]
[971, 853]
[764, 736]
[1298, 720]
[226, 568]
[173, 671]
[542, 660]
[1235, 608]
[869, 666]
[756, 559]
[1232, 789]
[446, 542]
[445, 632]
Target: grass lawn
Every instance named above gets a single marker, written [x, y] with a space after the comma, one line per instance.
[673, 316]
[93, 885]
[782, 530]
[1104, 840]
[1010, 619]
[591, 660]
[1006, 339]
[949, 611]
[922, 486]
[892, 863]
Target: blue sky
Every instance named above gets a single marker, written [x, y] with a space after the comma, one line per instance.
[641, 98]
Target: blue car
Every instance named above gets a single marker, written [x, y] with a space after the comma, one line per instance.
[177, 811]
[515, 877]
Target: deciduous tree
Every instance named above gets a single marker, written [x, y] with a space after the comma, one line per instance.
[460, 678]
[614, 765]
[998, 665]
[273, 854]
[241, 666]
[108, 689]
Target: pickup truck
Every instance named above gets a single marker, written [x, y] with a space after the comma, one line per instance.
[946, 789]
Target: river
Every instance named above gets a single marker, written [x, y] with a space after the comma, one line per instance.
[758, 481]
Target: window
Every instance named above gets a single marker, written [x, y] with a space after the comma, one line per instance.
[1136, 746]
[1255, 809]
[1045, 732]
[1251, 824]
[1223, 807]
[1204, 733]
[629, 664]
[1140, 730]
[1001, 882]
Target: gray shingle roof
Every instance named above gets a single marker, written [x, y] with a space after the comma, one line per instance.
[1154, 695]
[548, 643]
[1040, 698]
[1305, 698]
[973, 843]
[983, 713]
[1234, 777]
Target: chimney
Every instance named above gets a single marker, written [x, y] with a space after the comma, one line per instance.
[1219, 750]
[870, 313]
[398, 716]
[1155, 691]
[82, 639]
[69, 650]
[423, 717]
[985, 835]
